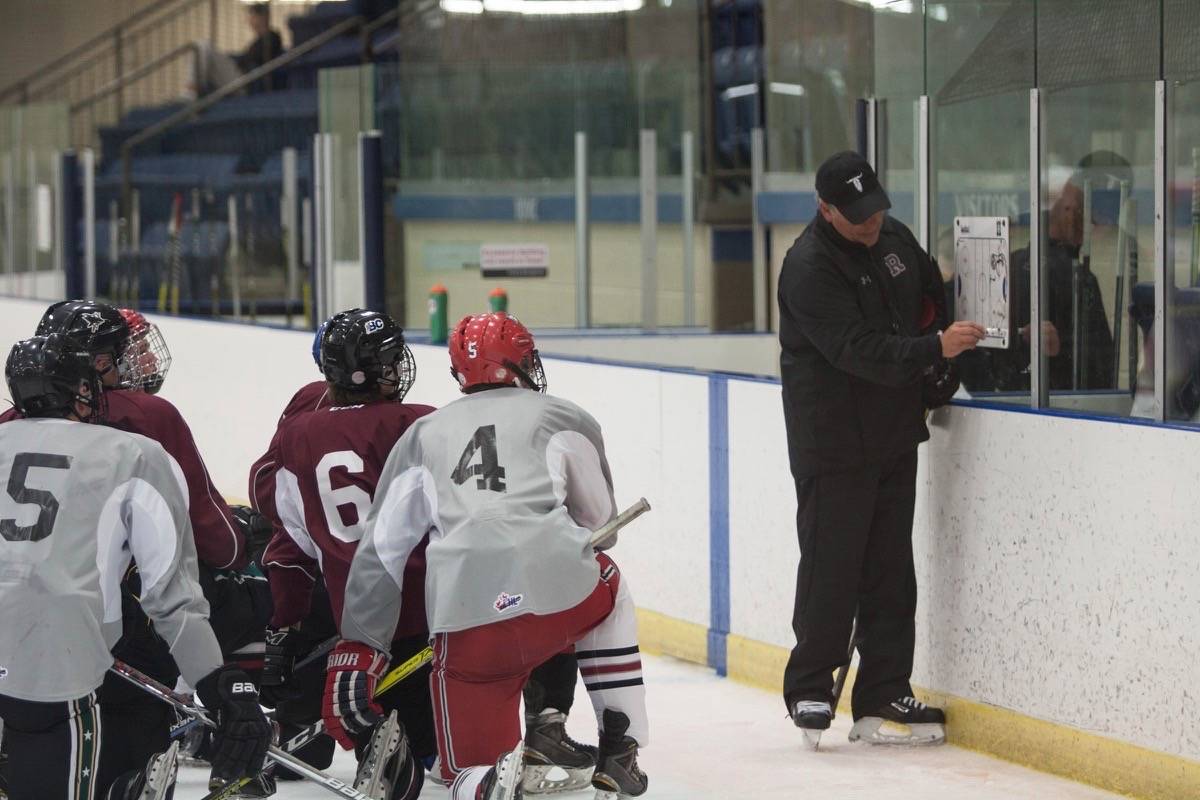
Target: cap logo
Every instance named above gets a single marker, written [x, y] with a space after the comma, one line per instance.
[857, 181]
[93, 320]
[374, 325]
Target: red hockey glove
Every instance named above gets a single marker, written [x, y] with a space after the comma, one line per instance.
[351, 673]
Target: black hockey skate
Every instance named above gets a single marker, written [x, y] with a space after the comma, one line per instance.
[904, 721]
[554, 762]
[812, 717]
[503, 781]
[386, 770]
[617, 774]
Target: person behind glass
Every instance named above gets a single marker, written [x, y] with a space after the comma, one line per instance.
[1067, 272]
[862, 325]
[213, 69]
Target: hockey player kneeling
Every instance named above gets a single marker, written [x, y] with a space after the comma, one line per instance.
[507, 483]
[82, 501]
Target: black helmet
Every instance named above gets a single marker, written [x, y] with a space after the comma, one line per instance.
[96, 328]
[365, 349]
[44, 373]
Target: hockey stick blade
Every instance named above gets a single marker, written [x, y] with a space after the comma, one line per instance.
[620, 521]
[184, 705]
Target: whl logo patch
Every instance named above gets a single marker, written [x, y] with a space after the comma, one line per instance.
[894, 265]
[506, 601]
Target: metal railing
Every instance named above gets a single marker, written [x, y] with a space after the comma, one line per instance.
[49, 77]
[190, 111]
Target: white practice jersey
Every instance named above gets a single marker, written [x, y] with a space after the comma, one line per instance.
[77, 502]
[508, 484]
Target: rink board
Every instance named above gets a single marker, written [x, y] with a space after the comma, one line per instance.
[1059, 608]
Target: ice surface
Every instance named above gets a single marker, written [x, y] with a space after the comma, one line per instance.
[713, 739]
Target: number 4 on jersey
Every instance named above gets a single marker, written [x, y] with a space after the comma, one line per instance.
[488, 470]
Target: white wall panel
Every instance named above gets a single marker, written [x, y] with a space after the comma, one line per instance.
[763, 551]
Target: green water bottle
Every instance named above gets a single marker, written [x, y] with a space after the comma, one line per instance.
[498, 299]
[439, 326]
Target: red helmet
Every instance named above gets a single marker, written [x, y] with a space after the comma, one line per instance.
[494, 349]
[146, 358]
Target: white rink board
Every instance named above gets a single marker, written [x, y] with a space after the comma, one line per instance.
[1057, 558]
[763, 551]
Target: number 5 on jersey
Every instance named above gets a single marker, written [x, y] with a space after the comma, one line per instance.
[488, 470]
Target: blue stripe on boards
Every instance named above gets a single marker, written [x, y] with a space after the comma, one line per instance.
[718, 520]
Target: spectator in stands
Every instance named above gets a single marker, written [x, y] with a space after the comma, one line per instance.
[213, 69]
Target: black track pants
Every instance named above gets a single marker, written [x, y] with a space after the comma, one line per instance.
[53, 749]
[855, 531]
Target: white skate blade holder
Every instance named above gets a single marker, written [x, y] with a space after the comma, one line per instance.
[812, 738]
[552, 778]
[372, 778]
[509, 779]
[161, 777]
[877, 730]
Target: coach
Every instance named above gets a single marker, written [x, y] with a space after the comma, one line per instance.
[865, 346]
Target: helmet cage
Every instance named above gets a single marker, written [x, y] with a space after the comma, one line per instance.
[146, 359]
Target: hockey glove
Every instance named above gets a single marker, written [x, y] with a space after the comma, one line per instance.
[351, 673]
[243, 734]
[939, 384]
[255, 528]
[279, 657]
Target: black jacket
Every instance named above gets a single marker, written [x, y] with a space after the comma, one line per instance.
[853, 349]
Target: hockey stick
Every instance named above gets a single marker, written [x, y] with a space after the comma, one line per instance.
[843, 670]
[186, 706]
[321, 650]
[620, 521]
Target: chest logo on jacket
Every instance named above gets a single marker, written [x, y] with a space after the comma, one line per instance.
[894, 265]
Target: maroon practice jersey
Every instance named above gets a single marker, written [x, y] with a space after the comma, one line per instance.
[219, 540]
[328, 465]
[310, 397]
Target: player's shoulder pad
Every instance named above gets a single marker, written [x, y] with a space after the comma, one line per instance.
[569, 414]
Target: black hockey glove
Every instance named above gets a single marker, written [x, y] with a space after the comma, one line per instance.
[255, 528]
[243, 734]
[939, 384]
[282, 645]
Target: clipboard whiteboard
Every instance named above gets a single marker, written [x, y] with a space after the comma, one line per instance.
[981, 276]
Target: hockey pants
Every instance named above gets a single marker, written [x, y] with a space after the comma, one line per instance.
[478, 675]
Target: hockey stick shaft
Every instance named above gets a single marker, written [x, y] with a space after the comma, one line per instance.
[620, 521]
[844, 670]
[404, 670]
[186, 706]
[321, 650]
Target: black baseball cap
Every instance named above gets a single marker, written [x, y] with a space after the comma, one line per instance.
[847, 182]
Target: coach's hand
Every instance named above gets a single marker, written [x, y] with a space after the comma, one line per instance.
[351, 673]
[961, 336]
[243, 734]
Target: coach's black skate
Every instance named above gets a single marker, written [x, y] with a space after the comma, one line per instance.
[503, 781]
[387, 770]
[157, 782]
[554, 762]
[904, 721]
[617, 774]
[812, 717]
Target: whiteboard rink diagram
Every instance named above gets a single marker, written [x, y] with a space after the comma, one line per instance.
[981, 276]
